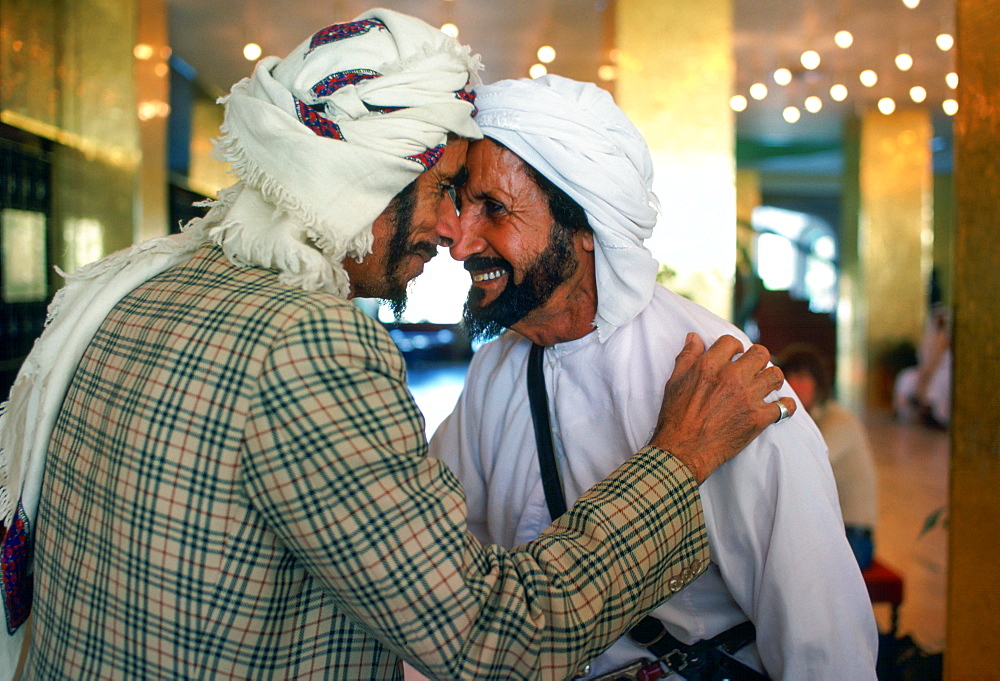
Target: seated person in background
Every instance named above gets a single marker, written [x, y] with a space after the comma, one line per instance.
[850, 453]
[556, 208]
[923, 392]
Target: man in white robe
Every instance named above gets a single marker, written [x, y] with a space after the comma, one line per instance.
[579, 282]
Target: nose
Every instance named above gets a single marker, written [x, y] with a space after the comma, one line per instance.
[447, 227]
[459, 232]
[470, 240]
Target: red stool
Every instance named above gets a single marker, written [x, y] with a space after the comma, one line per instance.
[885, 585]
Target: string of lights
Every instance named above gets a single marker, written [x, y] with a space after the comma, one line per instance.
[806, 86]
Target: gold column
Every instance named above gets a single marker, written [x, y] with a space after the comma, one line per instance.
[747, 199]
[95, 174]
[66, 74]
[972, 642]
[675, 74]
[944, 233]
[152, 75]
[207, 174]
[852, 346]
[886, 305]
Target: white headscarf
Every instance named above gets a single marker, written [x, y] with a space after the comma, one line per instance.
[321, 142]
[574, 134]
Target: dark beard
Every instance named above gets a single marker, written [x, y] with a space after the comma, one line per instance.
[550, 269]
[400, 215]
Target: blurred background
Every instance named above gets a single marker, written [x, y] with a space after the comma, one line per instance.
[805, 159]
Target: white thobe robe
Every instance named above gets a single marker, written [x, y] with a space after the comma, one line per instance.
[779, 553]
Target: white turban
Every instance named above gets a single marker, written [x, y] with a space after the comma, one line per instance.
[325, 138]
[575, 135]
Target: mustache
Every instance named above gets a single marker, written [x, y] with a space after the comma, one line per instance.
[424, 248]
[481, 262]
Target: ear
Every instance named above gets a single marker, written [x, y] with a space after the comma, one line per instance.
[586, 240]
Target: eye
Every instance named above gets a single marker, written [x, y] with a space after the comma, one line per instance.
[452, 192]
[493, 209]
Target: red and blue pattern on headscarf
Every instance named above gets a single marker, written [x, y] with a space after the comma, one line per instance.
[18, 583]
[321, 125]
[335, 81]
[332, 34]
[467, 95]
[428, 158]
[310, 115]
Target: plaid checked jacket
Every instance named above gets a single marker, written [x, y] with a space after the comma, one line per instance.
[237, 488]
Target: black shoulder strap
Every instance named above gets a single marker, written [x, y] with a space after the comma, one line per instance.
[554, 496]
[648, 632]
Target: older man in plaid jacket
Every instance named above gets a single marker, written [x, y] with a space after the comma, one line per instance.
[235, 480]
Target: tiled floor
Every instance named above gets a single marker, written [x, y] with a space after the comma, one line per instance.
[912, 464]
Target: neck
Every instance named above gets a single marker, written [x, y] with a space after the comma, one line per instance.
[567, 315]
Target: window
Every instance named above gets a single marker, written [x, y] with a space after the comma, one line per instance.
[797, 252]
[24, 261]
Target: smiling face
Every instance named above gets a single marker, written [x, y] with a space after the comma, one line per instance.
[528, 272]
[406, 232]
[487, 314]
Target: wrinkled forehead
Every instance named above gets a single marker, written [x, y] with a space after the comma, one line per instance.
[491, 164]
[452, 161]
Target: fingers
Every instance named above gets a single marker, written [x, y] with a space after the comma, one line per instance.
[748, 362]
[693, 348]
[713, 405]
[725, 348]
[789, 408]
[753, 360]
[768, 380]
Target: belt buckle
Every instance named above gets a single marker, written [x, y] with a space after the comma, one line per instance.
[668, 660]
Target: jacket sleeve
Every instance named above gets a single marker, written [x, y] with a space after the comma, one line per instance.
[336, 461]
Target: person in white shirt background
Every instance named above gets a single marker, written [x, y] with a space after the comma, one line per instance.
[847, 442]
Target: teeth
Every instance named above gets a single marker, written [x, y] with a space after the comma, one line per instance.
[486, 276]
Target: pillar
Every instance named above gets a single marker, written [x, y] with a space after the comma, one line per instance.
[675, 74]
[60, 83]
[972, 644]
[852, 361]
[744, 291]
[886, 253]
[152, 76]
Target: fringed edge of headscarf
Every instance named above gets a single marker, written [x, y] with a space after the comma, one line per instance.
[295, 266]
[230, 149]
[302, 256]
[5, 506]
